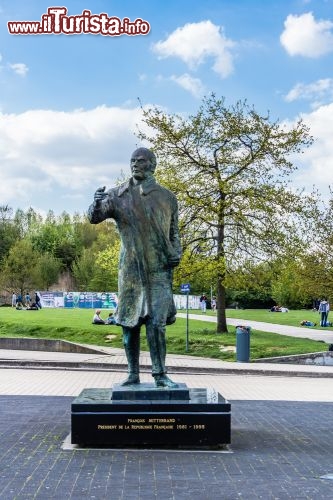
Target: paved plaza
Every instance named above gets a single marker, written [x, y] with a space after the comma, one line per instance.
[281, 445]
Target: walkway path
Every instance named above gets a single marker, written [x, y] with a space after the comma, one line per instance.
[51, 382]
[114, 359]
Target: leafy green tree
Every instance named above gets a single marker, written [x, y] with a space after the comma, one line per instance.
[84, 269]
[250, 286]
[66, 251]
[27, 223]
[316, 274]
[20, 267]
[196, 269]
[308, 278]
[56, 236]
[47, 270]
[46, 237]
[229, 168]
[9, 232]
[85, 233]
[106, 272]
[65, 237]
[62, 242]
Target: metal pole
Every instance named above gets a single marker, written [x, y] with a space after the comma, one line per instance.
[186, 321]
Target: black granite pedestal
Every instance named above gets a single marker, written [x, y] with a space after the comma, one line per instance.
[143, 415]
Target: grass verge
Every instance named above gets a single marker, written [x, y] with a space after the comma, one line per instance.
[74, 325]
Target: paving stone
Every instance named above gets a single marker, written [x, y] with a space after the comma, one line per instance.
[279, 450]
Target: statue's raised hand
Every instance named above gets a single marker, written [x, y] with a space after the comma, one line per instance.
[100, 194]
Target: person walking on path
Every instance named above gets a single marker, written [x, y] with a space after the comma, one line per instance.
[14, 298]
[213, 303]
[323, 310]
[203, 303]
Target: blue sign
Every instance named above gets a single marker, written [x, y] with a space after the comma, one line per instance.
[185, 288]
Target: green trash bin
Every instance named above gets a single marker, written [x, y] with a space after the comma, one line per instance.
[243, 343]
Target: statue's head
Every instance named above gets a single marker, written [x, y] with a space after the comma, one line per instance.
[143, 163]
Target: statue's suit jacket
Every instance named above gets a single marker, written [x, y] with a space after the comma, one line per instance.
[147, 220]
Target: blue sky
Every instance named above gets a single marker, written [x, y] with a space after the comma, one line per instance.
[69, 103]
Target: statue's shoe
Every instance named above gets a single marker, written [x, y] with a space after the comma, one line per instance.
[164, 381]
[133, 378]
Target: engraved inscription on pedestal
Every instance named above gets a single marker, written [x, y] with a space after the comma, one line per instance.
[202, 420]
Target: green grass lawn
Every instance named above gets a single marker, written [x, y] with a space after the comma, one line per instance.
[75, 325]
[292, 318]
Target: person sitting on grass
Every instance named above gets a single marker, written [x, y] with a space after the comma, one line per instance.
[97, 320]
[307, 323]
[32, 307]
[110, 320]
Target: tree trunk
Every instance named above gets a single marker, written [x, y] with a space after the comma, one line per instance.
[221, 326]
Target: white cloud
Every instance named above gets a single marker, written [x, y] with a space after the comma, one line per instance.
[187, 82]
[304, 36]
[317, 91]
[56, 160]
[195, 42]
[20, 69]
[48, 157]
[317, 160]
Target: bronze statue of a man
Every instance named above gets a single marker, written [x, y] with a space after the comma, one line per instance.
[147, 218]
